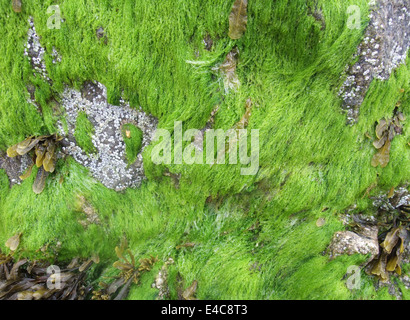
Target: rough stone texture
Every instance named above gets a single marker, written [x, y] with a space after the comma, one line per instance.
[100, 33]
[317, 13]
[56, 56]
[109, 164]
[384, 48]
[400, 199]
[160, 282]
[348, 242]
[406, 281]
[35, 52]
[90, 213]
[14, 167]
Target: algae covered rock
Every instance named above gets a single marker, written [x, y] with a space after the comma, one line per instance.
[261, 186]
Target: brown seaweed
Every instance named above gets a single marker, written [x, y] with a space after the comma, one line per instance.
[238, 19]
[44, 157]
[130, 273]
[386, 130]
[31, 280]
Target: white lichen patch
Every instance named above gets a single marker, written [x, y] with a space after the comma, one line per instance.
[108, 165]
[384, 48]
[35, 52]
[56, 56]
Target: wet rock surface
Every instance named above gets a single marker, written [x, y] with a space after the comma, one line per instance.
[384, 48]
[100, 33]
[161, 280]
[317, 13]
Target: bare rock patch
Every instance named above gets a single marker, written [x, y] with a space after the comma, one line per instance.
[384, 48]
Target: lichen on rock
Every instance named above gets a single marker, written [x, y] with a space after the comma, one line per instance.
[108, 165]
[35, 52]
[14, 167]
[384, 47]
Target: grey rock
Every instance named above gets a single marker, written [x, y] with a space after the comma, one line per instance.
[108, 165]
[384, 48]
[348, 242]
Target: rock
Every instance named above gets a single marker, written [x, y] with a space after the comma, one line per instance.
[14, 167]
[400, 199]
[348, 242]
[109, 164]
[320, 222]
[16, 5]
[384, 48]
[35, 52]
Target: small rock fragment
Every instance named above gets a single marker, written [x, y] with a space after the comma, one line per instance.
[348, 242]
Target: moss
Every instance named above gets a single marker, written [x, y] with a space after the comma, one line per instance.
[132, 136]
[84, 131]
[309, 158]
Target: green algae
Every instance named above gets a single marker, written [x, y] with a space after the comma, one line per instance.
[83, 133]
[132, 136]
[309, 158]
